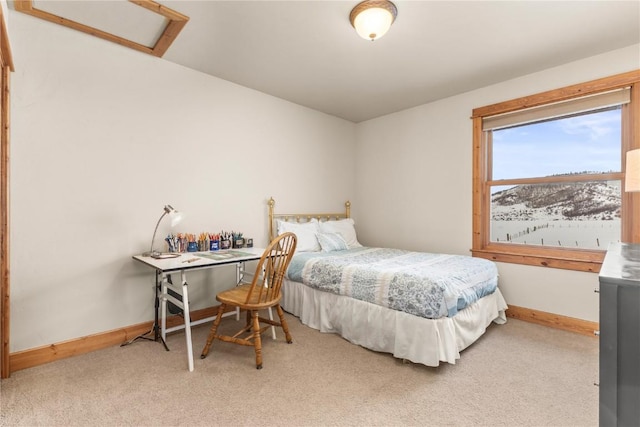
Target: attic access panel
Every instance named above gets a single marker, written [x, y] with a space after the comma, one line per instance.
[143, 25]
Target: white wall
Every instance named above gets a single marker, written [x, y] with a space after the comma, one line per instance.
[414, 181]
[103, 137]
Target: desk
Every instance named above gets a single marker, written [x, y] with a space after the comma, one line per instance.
[190, 261]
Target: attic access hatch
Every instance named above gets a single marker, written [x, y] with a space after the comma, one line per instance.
[143, 25]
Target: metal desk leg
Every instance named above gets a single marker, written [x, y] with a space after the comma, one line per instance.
[156, 325]
[187, 320]
[239, 270]
[163, 309]
[273, 328]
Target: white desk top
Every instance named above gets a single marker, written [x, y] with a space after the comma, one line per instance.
[195, 260]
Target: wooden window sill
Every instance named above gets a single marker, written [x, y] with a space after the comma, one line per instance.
[588, 261]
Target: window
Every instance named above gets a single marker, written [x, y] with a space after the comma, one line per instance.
[549, 173]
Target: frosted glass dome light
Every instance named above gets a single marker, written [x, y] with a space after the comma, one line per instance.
[372, 19]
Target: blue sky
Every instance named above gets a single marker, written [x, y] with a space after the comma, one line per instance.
[588, 142]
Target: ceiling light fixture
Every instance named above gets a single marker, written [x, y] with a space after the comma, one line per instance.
[373, 18]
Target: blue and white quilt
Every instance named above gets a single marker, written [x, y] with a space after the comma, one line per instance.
[423, 284]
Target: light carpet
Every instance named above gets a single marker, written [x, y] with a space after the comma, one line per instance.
[517, 374]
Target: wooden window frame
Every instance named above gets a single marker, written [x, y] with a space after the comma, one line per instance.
[564, 258]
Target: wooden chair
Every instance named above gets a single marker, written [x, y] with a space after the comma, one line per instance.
[262, 293]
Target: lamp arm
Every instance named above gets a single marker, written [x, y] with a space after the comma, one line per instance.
[156, 230]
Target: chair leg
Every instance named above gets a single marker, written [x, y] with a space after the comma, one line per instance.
[212, 333]
[283, 322]
[257, 341]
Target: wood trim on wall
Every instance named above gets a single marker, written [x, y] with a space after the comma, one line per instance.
[557, 95]
[6, 66]
[5, 311]
[630, 223]
[38, 356]
[175, 21]
[50, 353]
[556, 321]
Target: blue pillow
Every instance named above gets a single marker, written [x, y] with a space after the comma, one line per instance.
[332, 242]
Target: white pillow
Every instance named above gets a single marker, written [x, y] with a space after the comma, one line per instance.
[330, 242]
[306, 233]
[345, 227]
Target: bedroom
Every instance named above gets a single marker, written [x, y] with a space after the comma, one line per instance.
[99, 145]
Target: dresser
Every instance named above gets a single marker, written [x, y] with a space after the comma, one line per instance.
[620, 336]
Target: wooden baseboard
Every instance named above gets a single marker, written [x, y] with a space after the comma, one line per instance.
[38, 356]
[571, 324]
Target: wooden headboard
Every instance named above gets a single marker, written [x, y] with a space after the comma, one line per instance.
[303, 217]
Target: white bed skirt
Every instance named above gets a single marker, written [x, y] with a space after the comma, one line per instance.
[420, 340]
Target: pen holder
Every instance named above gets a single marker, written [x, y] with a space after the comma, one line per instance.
[214, 245]
[192, 247]
[225, 244]
[238, 243]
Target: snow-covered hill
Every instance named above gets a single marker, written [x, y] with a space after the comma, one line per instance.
[552, 202]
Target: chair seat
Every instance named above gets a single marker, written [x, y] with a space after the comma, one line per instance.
[238, 297]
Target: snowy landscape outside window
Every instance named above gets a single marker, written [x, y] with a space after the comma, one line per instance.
[561, 211]
[548, 174]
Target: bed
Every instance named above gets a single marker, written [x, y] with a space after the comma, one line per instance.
[420, 307]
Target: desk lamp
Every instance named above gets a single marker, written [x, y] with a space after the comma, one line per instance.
[176, 217]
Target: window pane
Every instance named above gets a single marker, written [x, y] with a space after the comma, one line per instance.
[589, 142]
[583, 215]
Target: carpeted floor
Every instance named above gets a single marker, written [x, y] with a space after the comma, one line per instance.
[517, 374]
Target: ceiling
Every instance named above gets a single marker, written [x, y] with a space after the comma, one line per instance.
[308, 53]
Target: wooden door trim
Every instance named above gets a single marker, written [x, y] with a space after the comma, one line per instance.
[6, 66]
